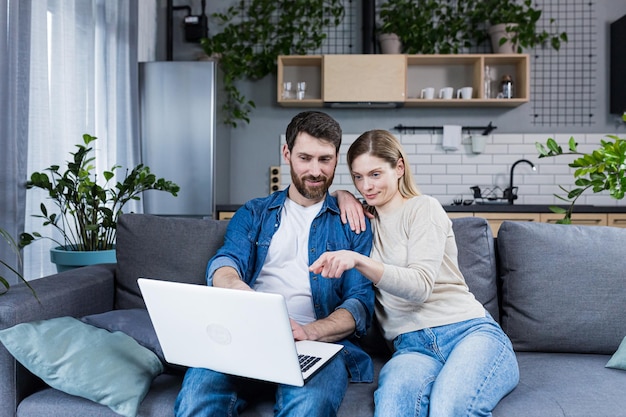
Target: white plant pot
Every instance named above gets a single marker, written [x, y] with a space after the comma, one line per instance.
[497, 32]
[390, 43]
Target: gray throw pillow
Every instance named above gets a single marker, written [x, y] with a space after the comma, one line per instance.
[563, 286]
[477, 260]
[165, 248]
[134, 322]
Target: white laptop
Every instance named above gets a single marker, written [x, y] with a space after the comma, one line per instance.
[243, 333]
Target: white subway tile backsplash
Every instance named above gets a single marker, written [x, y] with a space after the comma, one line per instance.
[461, 169]
[446, 175]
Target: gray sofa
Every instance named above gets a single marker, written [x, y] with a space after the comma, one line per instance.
[558, 291]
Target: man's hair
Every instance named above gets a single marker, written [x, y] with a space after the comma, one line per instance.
[382, 144]
[317, 124]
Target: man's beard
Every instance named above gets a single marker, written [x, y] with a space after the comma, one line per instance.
[312, 193]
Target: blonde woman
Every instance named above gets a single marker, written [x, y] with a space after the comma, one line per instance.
[450, 357]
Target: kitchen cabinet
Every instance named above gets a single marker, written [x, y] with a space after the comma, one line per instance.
[386, 80]
[495, 219]
[584, 219]
[616, 219]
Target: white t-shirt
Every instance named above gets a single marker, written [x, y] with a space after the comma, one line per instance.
[286, 267]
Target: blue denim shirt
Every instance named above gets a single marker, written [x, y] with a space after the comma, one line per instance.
[246, 245]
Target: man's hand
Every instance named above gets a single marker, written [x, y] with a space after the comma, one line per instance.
[339, 325]
[352, 211]
[298, 331]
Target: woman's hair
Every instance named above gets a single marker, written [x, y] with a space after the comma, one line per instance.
[382, 144]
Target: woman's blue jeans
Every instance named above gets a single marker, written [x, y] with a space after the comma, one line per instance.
[207, 393]
[461, 369]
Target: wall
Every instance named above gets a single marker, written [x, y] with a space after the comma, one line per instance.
[447, 175]
[256, 146]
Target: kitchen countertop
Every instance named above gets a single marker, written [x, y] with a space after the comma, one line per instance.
[529, 208]
[496, 208]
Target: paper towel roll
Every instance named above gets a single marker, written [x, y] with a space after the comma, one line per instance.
[452, 137]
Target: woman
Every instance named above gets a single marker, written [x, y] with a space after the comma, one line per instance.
[450, 357]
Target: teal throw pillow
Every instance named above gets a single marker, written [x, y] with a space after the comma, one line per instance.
[618, 360]
[79, 359]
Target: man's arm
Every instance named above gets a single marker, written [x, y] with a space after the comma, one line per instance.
[227, 277]
[337, 326]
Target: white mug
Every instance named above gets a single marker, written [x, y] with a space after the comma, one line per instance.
[428, 93]
[464, 93]
[446, 93]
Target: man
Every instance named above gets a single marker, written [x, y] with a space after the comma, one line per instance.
[269, 245]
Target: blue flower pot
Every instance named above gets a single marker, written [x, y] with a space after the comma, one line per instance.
[70, 259]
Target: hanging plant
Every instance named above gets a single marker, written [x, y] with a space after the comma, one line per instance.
[255, 32]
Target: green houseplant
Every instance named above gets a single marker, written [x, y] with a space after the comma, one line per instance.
[603, 169]
[87, 211]
[517, 23]
[255, 32]
[14, 270]
[427, 27]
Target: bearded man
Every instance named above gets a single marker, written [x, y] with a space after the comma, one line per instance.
[269, 245]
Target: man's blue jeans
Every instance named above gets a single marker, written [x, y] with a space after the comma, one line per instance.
[461, 369]
[207, 393]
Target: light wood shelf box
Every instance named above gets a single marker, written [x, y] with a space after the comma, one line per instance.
[400, 78]
[295, 68]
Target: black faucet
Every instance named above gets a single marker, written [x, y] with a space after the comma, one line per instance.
[510, 193]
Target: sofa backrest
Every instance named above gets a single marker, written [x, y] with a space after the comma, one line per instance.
[477, 260]
[563, 286]
[167, 248]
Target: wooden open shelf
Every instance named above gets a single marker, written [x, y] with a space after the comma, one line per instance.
[400, 79]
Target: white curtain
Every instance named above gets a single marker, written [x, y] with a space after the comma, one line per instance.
[83, 79]
[147, 30]
[14, 64]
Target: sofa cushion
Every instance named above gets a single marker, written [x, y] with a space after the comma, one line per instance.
[477, 260]
[563, 286]
[564, 384]
[167, 248]
[134, 322]
[618, 360]
[79, 359]
[159, 402]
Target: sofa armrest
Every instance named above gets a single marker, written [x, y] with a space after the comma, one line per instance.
[75, 293]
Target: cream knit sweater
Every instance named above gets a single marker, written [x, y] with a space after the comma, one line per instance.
[421, 285]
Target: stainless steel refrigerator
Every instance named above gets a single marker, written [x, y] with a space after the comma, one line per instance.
[178, 134]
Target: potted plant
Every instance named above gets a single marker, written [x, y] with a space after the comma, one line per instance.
[511, 25]
[255, 32]
[15, 248]
[88, 211]
[425, 27]
[603, 169]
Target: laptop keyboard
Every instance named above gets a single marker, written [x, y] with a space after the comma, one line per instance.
[306, 361]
